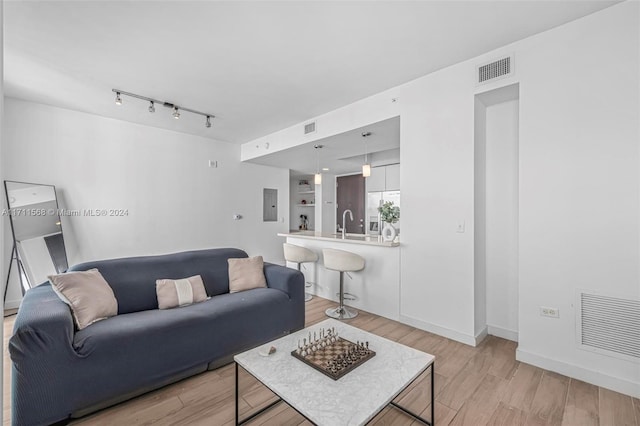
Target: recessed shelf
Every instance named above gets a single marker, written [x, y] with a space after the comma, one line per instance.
[306, 192]
[305, 205]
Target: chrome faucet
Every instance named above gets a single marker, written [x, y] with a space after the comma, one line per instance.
[344, 224]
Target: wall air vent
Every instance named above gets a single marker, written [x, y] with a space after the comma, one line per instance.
[309, 128]
[609, 325]
[495, 70]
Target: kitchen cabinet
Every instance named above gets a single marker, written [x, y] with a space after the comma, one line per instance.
[375, 182]
[385, 178]
[392, 178]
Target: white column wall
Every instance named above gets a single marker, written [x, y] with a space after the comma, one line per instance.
[502, 219]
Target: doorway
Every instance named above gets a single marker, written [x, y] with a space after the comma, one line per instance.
[496, 212]
[350, 195]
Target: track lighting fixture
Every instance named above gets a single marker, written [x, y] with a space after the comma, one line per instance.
[152, 106]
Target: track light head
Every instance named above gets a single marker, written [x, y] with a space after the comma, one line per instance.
[176, 113]
[208, 122]
[152, 107]
[118, 99]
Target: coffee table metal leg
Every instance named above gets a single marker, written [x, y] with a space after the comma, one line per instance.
[237, 414]
[433, 389]
[257, 413]
[433, 411]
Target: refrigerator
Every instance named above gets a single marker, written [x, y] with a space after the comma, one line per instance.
[375, 200]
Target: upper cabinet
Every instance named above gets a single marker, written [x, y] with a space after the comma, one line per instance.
[392, 178]
[375, 182]
[386, 178]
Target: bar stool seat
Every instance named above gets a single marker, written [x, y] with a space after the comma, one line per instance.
[300, 255]
[342, 261]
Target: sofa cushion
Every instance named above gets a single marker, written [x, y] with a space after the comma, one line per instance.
[87, 293]
[143, 348]
[178, 293]
[246, 274]
[133, 279]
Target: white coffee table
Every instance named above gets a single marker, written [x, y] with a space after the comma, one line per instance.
[355, 398]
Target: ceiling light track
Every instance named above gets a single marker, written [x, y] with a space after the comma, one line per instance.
[152, 102]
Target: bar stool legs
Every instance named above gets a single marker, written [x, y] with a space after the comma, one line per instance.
[299, 255]
[341, 312]
[307, 296]
[342, 261]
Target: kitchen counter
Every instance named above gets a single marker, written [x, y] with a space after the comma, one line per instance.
[377, 286]
[373, 240]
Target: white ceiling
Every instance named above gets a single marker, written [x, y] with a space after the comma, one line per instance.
[258, 66]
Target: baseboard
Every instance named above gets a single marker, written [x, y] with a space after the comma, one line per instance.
[12, 304]
[480, 336]
[590, 376]
[441, 331]
[503, 333]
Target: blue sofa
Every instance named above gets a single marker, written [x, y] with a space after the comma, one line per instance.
[61, 373]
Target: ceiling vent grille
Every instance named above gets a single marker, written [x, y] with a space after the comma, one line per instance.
[495, 70]
[610, 325]
[309, 128]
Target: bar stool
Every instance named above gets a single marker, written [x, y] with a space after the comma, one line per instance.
[342, 261]
[300, 255]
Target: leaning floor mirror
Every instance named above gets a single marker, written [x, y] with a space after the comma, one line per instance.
[38, 243]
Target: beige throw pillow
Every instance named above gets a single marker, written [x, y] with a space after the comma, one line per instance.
[246, 273]
[175, 293]
[87, 293]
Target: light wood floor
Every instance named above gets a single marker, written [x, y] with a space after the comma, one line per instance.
[474, 386]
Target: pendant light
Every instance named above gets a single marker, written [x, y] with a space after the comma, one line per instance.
[366, 167]
[318, 177]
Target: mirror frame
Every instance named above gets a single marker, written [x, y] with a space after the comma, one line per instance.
[15, 253]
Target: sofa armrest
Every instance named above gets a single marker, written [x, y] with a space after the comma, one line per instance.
[291, 282]
[285, 279]
[43, 357]
[43, 326]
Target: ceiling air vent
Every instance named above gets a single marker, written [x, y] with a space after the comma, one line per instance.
[309, 128]
[495, 70]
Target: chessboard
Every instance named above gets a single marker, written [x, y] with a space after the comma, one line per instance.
[338, 358]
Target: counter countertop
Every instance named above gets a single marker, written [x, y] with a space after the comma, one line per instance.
[372, 240]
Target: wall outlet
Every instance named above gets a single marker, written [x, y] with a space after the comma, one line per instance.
[460, 228]
[213, 164]
[546, 311]
[237, 216]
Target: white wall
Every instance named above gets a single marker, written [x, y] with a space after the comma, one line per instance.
[326, 204]
[579, 185]
[174, 200]
[2, 251]
[579, 189]
[502, 219]
[480, 217]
